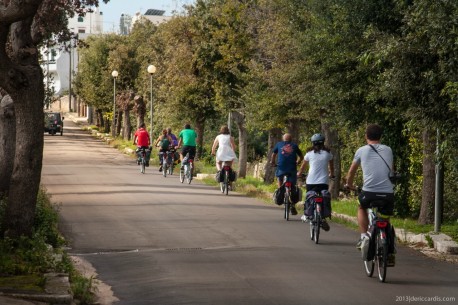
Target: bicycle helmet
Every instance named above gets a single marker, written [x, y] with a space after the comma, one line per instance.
[317, 138]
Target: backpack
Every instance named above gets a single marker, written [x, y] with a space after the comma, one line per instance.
[165, 143]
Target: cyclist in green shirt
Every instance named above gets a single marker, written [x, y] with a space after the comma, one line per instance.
[188, 140]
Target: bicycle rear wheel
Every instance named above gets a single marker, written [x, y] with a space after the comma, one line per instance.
[226, 182]
[316, 225]
[143, 165]
[287, 205]
[189, 174]
[182, 171]
[164, 168]
[381, 256]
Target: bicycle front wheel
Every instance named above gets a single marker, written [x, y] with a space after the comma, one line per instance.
[164, 169]
[369, 265]
[381, 256]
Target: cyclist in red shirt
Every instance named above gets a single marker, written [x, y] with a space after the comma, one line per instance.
[142, 139]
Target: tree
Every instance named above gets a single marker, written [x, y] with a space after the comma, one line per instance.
[24, 26]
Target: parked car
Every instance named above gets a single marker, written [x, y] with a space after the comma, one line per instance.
[54, 123]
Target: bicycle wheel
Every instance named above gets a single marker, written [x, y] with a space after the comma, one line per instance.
[171, 168]
[381, 256]
[189, 174]
[287, 205]
[369, 267]
[312, 229]
[143, 165]
[164, 167]
[317, 226]
[182, 171]
[226, 182]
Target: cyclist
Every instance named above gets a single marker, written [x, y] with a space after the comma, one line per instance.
[174, 137]
[174, 144]
[164, 141]
[188, 139]
[226, 148]
[376, 182]
[318, 157]
[142, 140]
[289, 155]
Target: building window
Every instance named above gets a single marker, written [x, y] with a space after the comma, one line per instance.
[81, 30]
[80, 19]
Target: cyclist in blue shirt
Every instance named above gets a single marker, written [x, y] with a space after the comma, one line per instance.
[289, 155]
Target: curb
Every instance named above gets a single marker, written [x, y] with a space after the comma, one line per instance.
[57, 291]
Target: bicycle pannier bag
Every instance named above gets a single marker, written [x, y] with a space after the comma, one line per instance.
[296, 194]
[326, 210]
[232, 175]
[308, 204]
[279, 195]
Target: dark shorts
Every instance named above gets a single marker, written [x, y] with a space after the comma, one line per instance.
[316, 187]
[189, 149]
[292, 177]
[383, 201]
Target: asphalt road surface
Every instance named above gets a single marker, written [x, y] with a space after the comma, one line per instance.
[157, 241]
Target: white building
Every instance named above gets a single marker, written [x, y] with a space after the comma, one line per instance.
[60, 63]
[155, 16]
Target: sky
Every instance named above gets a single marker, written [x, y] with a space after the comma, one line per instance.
[114, 8]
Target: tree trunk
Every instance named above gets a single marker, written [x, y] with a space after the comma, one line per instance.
[293, 130]
[332, 141]
[127, 129]
[239, 119]
[200, 127]
[140, 109]
[428, 187]
[119, 122]
[269, 171]
[7, 142]
[25, 180]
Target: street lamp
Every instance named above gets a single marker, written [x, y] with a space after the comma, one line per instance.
[113, 126]
[151, 71]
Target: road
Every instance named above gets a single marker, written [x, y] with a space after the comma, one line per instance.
[157, 241]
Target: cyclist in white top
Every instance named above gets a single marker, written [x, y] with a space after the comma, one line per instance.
[318, 158]
[226, 148]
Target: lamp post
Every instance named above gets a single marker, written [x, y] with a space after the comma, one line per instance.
[113, 125]
[151, 71]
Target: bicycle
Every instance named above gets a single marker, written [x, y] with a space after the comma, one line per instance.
[171, 158]
[143, 151]
[316, 220]
[226, 183]
[376, 251]
[187, 170]
[167, 162]
[287, 199]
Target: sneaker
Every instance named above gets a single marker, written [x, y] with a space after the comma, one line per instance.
[391, 261]
[325, 225]
[304, 218]
[361, 242]
[293, 210]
